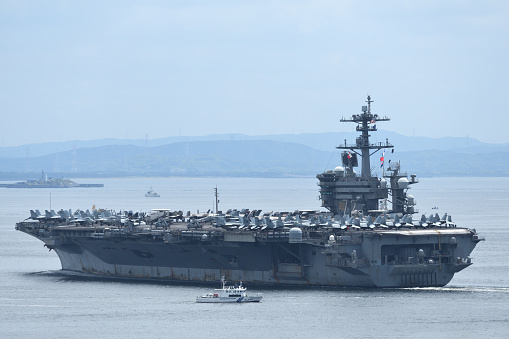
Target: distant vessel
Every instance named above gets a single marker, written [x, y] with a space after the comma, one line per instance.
[368, 237]
[229, 294]
[152, 194]
[45, 182]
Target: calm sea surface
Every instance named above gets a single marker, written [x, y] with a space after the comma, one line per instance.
[38, 301]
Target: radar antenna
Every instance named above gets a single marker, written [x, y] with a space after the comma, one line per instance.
[366, 122]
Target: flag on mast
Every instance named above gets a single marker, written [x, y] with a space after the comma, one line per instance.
[382, 159]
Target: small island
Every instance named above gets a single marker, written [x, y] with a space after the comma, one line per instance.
[45, 182]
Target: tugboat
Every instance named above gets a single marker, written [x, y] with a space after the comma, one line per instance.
[152, 194]
[229, 294]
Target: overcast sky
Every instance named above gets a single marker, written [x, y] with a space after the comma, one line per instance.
[81, 70]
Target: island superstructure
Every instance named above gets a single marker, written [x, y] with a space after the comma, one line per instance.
[368, 237]
[343, 191]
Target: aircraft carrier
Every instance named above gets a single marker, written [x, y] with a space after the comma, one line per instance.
[368, 238]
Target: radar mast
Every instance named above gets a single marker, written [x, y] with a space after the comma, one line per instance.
[366, 122]
[342, 191]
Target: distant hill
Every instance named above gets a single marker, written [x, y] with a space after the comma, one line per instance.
[320, 141]
[198, 158]
[241, 155]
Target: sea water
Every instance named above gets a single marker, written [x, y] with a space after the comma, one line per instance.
[38, 301]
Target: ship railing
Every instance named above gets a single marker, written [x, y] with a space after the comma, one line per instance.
[351, 239]
[399, 174]
[193, 233]
[416, 261]
[265, 236]
[278, 234]
[325, 181]
[369, 128]
[97, 235]
[350, 263]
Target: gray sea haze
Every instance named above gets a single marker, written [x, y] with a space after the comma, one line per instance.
[38, 301]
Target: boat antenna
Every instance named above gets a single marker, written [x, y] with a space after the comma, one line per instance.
[217, 200]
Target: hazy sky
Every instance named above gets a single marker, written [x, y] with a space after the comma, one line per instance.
[80, 70]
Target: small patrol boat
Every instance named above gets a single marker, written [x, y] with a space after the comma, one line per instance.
[152, 194]
[229, 294]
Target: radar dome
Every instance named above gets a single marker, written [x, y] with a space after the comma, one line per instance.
[403, 183]
[339, 169]
[411, 200]
[295, 235]
[383, 183]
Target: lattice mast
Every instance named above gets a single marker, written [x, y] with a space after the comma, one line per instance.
[366, 122]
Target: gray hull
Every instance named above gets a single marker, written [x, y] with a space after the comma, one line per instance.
[367, 258]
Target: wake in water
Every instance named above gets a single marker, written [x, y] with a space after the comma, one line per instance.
[469, 289]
